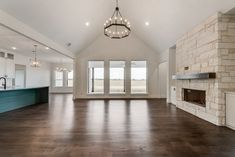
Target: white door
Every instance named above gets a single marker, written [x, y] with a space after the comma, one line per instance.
[10, 68]
[2, 67]
[163, 79]
[20, 78]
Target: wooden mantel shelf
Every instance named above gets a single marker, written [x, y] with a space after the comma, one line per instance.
[194, 76]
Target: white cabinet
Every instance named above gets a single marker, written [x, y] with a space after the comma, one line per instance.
[10, 68]
[7, 66]
[173, 95]
[230, 110]
[2, 67]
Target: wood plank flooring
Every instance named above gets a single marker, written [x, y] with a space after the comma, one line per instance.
[110, 128]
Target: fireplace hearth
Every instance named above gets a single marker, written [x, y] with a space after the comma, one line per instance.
[197, 97]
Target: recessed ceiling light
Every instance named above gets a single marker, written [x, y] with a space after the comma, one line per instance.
[147, 24]
[87, 24]
[13, 48]
[47, 48]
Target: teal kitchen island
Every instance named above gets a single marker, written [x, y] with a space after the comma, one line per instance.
[15, 98]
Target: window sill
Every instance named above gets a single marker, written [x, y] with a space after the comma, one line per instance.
[117, 93]
[139, 94]
[101, 94]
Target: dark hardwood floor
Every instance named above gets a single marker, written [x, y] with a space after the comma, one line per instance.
[110, 128]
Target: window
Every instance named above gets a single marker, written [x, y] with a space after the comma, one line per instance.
[70, 79]
[117, 77]
[96, 77]
[58, 79]
[138, 77]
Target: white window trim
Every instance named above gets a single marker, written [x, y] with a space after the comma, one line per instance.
[64, 80]
[87, 76]
[147, 80]
[67, 79]
[125, 79]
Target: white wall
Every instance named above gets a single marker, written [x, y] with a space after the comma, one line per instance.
[169, 57]
[171, 71]
[34, 76]
[131, 48]
[163, 71]
[60, 89]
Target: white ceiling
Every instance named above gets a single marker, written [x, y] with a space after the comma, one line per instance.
[64, 21]
[25, 46]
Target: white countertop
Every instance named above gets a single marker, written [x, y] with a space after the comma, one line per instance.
[21, 88]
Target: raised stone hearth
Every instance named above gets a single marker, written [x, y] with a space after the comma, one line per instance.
[208, 48]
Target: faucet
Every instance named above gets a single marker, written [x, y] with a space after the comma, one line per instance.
[5, 82]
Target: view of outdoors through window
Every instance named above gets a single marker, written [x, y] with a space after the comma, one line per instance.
[58, 79]
[70, 79]
[96, 77]
[138, 77]
[117, 77]
[117, 80]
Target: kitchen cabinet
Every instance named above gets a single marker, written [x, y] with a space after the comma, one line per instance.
[2, 66]
[173, 95]
[10, 68]
[7, 65]
[230, 110]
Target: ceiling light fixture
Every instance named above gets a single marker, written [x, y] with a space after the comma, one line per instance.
[61, 68]
[147, 24]
[35, 62]
[117, 27]
[47, 48]
[13, 48]
[87, 24]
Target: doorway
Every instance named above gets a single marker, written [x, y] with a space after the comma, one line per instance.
[20, 75]
[163, 79]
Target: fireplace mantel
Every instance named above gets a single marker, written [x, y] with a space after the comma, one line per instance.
[194, 76]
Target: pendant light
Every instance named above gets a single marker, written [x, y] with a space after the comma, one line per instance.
[35, 62]
[117, 27]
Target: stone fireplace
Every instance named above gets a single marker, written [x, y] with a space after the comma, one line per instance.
[208, 48]
[197, 97]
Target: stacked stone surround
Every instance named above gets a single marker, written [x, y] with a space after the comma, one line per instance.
[209, 47]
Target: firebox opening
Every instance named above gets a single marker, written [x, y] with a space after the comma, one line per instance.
[197, 97]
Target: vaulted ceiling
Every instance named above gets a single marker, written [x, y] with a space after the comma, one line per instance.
[63, 21]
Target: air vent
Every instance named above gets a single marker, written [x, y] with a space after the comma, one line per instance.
[2, 54]
[10, 56]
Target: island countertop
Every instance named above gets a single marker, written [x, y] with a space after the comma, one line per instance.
[22, 88]
[15, 98]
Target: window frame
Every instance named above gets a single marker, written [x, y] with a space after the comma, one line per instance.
[67, 74]
[87, 76]
[125, 77]
[58, 79]
[147, 78]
